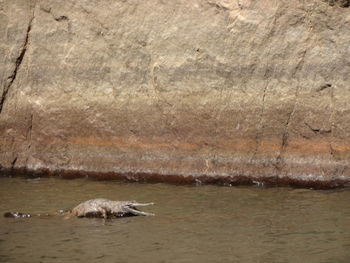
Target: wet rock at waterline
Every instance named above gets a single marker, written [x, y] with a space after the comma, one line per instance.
[219, 89]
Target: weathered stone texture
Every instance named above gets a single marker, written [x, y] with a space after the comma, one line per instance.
[202, 87]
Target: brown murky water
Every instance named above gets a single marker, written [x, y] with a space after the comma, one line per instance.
[192, 224]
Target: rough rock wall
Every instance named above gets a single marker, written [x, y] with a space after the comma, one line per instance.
[222, 88]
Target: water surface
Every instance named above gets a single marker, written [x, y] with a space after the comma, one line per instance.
[192, 224]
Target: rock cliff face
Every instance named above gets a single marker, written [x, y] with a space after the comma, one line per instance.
[204, 90]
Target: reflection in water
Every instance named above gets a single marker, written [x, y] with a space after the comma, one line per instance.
[192, 224]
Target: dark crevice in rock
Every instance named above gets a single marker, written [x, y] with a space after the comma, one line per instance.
[61, 18]
[323, 87]
[11, 79]
[332, 124]
[333, 152]
[301, 62]
[279, 160]
[305, 136]
[260, 125]
[341, 3]
[29, 136]
[55, 17]
[218, 6]
[317, 130]
[29, 132]
[239, 4]
[13, 163]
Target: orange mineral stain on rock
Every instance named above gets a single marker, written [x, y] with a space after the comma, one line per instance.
[131, 143]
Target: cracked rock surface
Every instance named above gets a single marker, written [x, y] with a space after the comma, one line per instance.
[256, 90]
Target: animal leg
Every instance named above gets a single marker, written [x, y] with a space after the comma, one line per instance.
[136, 212]
[103, 211]
[68, 216]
